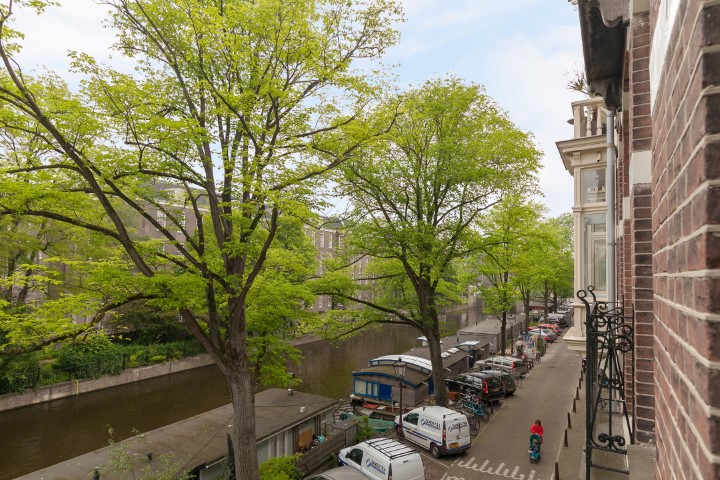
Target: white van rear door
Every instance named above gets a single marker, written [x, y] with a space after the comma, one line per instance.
[457, 433]
[410, 470]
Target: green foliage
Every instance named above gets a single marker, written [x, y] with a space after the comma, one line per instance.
[281, 468]
[197, 171]
[77, 360]
[93, 358]
[365, 431]
[19, 373]
[509, 230]
[416, 192]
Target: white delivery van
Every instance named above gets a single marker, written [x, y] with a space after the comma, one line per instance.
[438, 429]
[384, 459]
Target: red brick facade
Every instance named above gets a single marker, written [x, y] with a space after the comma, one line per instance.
[664, 57]
[686, 243]
[639, 133]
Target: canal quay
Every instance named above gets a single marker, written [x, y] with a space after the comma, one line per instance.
[42, 435]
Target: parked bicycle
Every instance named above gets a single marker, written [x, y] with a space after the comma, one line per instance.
[474, 406]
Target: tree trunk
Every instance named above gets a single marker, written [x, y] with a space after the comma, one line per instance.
[242, 389]
[503, 333]
[438, 370]
[526, 301]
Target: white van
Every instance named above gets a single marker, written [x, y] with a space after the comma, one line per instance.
[384, 459]
[439, 429]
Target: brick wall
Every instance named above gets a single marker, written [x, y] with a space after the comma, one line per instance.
[686, 245]
[640, 261]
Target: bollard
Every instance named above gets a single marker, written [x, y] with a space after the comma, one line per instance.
[565, 440]
[574, 409]
[577, 394]
[569, 422]
[557, 471]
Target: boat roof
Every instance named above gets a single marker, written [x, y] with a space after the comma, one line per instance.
[412, 377]
[413, 362]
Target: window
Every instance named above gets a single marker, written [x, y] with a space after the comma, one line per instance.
[322, 240]
[365, 388]
[412, 418]
[595, 254]
[330, 240]
[593, 185]
[355, 455]
[161, 218]
[262, 451]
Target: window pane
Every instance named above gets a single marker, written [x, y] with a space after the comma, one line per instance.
[593, 185]
[595, 254]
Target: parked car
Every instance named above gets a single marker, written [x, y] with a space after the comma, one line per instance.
[513, 365]
[507, 380]
[560, 319]
[489, 387]
[384, 459]
[339, 473]
[546, 334]
[438, 429]
[552, 326]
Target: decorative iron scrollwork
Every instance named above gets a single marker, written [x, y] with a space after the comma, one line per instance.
[609, 337]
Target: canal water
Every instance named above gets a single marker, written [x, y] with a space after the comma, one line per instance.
[41, 435]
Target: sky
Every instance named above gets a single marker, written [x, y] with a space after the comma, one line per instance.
[522, 51]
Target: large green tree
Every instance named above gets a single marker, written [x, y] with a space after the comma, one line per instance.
[508, 230]
[416, 194]
[216, 143]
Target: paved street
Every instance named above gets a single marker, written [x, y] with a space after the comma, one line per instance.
[500, 449]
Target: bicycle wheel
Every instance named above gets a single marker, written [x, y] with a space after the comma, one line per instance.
[474, 425]
[485, 415]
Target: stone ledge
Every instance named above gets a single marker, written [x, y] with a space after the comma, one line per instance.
[11, 401]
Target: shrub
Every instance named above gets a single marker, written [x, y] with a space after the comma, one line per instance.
[365, 431]
[18, 373]
[92, 358]
[281, 468]
[157, 359]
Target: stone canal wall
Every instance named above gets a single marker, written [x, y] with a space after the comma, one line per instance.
[76, 387]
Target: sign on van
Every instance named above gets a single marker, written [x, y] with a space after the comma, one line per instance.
[375, 465]
[430, 423]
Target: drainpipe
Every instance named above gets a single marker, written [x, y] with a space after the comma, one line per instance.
[610, 222]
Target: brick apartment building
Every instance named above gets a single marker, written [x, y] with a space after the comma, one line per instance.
[655, 68]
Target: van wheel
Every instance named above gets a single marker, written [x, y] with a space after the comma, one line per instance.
[435, 450]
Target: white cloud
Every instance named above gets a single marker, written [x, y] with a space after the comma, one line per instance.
[74, 26]
[520, 51]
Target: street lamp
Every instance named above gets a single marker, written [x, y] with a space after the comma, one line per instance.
[400, 367]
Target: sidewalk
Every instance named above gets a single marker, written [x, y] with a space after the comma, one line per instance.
[570, 459]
